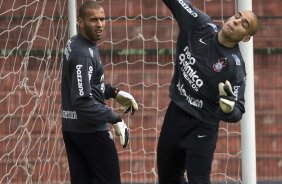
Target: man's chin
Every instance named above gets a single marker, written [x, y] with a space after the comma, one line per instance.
[98, 37]
[226, 30]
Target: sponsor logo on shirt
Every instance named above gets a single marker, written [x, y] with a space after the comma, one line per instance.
[187, 8]
[202, 42]
[236, 91]
[79, 79]
[67, 49]
[237, 60]
[91, 52]
[90, 72]
[102, 83]
[69, 114]
[186, 64]
[219, 65]
[191, 100]
[213, 26]
[201, 136]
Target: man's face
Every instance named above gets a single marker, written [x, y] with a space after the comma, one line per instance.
[93, 24]
[240, 26]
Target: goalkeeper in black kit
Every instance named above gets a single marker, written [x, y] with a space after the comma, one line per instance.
[91, 152]
[207, 86]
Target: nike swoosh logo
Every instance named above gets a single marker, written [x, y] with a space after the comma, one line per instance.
[201, 136]
[201, 41]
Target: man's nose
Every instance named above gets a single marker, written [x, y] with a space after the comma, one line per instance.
[99, 22]
[236, 21]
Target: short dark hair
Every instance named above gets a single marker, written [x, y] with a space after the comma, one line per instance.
[88, 5]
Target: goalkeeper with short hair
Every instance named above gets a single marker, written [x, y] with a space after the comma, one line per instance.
[90, 148]
[207, 86]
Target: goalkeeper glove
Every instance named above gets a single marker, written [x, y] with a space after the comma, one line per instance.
[123, 132]
[127, 102]
[226, 97]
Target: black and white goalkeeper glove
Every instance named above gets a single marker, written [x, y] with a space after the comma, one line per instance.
[226, 97]
[127, 102]
[123, 132]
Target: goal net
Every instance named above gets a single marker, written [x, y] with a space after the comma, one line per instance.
[137, 51]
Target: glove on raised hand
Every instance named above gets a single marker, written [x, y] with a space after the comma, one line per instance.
[127, 102]
[226, 97]
[123, 132]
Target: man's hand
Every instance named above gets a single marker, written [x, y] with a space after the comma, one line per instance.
[226, 97]
[123, 132]
[127, 102]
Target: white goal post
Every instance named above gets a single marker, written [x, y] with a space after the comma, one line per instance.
[72, 8]
[248, 139]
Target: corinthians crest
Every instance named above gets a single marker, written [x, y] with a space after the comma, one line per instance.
[219, 65]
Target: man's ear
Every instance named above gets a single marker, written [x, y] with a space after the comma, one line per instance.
[246, 38]
[80, 22]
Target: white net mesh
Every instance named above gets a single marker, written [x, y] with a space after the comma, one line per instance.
[138, 54]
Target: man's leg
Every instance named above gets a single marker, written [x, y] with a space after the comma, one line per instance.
[99, 152]
[103, 158]
[170, 158]
[79, 170]
[200, 155]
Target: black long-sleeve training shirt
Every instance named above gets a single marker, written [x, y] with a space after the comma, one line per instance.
[83, 90]
[201, 64]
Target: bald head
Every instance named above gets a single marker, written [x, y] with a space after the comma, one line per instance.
[254, 23]
[88, 5]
